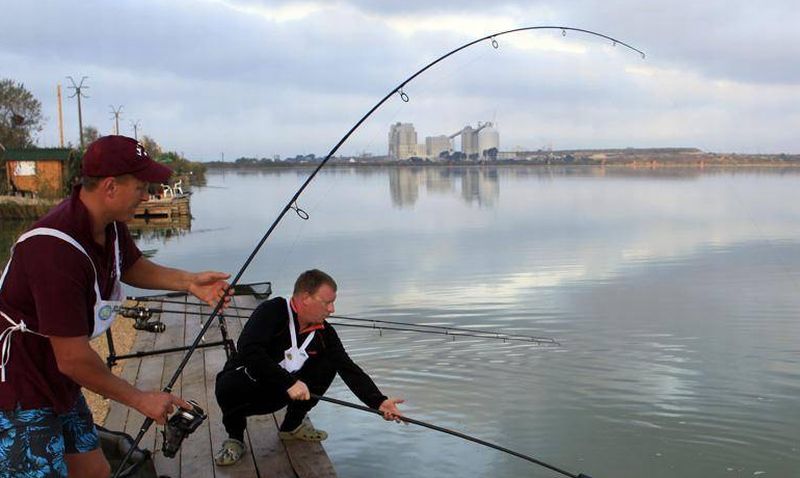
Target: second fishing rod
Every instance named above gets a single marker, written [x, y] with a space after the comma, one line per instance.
[143, 315]
[292, 203]
[379, 324]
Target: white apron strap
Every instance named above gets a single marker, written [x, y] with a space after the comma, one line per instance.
[291, 324]
[117, 257]
[46, 231]
[307, 341]
[292, 334]
[5, 336]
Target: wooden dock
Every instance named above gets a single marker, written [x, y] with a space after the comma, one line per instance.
[168, 208]
[267, 455]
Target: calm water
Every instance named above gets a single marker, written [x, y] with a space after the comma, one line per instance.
[675, 295]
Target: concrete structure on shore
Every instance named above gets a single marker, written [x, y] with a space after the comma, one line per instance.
[403, 141]
[475, 142]
[436, 145]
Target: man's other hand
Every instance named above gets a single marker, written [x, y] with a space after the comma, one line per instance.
[210, 287]
[299, 391]
[390, 410]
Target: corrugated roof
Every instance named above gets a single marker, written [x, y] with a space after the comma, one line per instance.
[37, 154]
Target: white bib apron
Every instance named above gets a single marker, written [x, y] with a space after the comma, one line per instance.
[105, 311]
[294, 357]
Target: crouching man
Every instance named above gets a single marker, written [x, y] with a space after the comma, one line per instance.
[286, 352]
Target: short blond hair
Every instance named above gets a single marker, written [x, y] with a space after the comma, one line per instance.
[311, 280]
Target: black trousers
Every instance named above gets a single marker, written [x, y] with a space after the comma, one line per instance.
[240, 397]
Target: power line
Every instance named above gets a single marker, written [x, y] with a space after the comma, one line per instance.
[78, 93]
[116, 112]
[135, 125]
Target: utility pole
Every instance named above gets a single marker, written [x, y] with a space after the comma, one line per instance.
[116, 112]
[78, 93]
[60, 117]
[135, 125]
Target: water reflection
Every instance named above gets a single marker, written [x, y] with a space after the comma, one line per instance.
[477, 185]
[161, 230]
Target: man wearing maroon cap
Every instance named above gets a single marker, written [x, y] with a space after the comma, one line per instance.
[59, 288]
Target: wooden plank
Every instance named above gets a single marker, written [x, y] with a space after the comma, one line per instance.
[215, 359]
[308, 459]
[196, 453]
[117, 415]
[173, 336]
[268, 449]
[147, 381]
[134, 419]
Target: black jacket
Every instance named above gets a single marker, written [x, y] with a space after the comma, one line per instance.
[265, 338]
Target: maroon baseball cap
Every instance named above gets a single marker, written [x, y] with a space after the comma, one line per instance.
[117, 155]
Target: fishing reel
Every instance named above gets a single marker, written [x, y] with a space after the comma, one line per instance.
[142, 317]
[179, 426]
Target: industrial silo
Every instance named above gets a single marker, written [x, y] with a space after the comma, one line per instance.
[488, 138]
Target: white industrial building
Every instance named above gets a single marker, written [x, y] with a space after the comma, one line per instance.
[403, 141]
[435, 145]
[474, 142]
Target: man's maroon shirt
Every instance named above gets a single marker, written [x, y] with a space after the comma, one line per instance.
[50, 285]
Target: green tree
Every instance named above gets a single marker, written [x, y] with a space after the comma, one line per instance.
[20, 115]
[73, 172]
[90, 134]
[152, 148]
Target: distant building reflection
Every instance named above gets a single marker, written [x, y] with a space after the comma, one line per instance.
[404, 185]
[479, 186]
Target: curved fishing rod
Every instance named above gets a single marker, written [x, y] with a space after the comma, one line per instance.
[292, 204]
[454, 433]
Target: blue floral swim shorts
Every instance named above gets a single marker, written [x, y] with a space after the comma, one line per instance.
[33, 442]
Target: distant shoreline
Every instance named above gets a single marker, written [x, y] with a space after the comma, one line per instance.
[635, 158]
[519, 163]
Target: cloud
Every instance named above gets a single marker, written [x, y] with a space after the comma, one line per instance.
[259, 78]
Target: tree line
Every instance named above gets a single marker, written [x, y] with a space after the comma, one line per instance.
[21, 121]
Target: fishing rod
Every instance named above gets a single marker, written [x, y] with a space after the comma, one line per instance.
[440, 329]
[454, 433]
[143, 314]
[445, 330]
[547, 343]
[244, 289]
[292, 203]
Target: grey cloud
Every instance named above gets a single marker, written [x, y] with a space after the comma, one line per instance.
[204, 78]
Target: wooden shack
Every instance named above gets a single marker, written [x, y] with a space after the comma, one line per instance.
[37, 172]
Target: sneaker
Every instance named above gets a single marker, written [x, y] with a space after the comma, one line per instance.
[231, 452]
[305, 432]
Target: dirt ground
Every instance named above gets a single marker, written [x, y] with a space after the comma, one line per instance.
[124, 336]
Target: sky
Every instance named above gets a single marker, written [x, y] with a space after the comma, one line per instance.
[232, 78]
